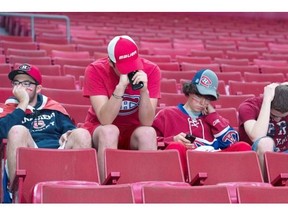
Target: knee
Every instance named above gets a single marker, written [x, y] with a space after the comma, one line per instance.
[17, 130]
[145, 133]
[106, 136]
[265, 144]
[107, 131]
[83, 137]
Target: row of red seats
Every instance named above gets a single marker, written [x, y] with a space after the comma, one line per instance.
[153, 168]
[188, 24]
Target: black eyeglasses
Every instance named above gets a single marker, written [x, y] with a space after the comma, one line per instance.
[23, 83]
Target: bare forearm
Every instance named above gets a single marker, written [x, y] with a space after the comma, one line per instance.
[261, 125]
[111, 108]
[146, 109]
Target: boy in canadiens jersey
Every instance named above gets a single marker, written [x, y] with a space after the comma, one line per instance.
[195, 124]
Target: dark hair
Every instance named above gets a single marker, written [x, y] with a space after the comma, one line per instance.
[280, 100]
[190, 88]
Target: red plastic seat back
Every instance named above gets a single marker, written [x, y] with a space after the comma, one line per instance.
[136, 166]
[55, 165]
[82, 192]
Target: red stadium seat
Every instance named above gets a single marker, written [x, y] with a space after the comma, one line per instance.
[2, 59]
[81, 192]
[276, 168]
[152, 168]
[14, 38]
[228, 171]
[70, 54]
[178, 75]
[185, 194]
[194, 59]
[73, 70]
[273, 69]
[28, 53]
[70, 61]
[36, 165]
[77, 112]
[243, 61]
[156, 58]
[241, 68]
[168, 85]
[211, 53]
[13, 59]
[230, 114]
[192, 66]
[6, 92]
[4, 81]
[238, 88]
[49, 47]
[5, 68]
[271, 77]
[171, 66]
[59, 82]
[66, 96]
[226, 76]
[18, 45]
[170, 51]
[228, 168]
[226, 101]
[171, 99]
[250, 194]
[251, 55]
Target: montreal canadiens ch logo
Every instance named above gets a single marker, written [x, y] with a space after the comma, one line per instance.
[130, 105]
[205, 81]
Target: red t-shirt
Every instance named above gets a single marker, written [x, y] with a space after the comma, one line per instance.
[250, 109]
[100, 79]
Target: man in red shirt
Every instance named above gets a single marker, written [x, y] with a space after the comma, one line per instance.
[120, 116]
[263, 121]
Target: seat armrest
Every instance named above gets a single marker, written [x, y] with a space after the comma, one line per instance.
[17, 185]
[112, 178]
[199, 179]
[280, 180]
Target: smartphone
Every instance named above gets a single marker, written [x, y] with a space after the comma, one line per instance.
[190, 137]
[134, 86]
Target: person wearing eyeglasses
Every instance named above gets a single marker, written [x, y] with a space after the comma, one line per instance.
[30, 119]
[196, 124]
[263, 121]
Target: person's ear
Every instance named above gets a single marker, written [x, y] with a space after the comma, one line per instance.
[38, 88]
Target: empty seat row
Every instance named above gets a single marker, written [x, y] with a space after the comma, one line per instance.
[153, 168]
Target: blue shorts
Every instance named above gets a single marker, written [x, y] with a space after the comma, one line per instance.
[255, 144]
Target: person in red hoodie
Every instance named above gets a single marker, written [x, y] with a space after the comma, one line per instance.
[196, 124]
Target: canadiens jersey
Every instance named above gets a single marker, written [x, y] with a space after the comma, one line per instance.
[212, 129]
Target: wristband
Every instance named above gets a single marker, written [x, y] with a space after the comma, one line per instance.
[117, 96]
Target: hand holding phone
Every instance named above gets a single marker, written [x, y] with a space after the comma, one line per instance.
[190, 137]
[134, 86]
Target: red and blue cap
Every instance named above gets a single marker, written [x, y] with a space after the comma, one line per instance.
[28, 69]
[206, 82]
